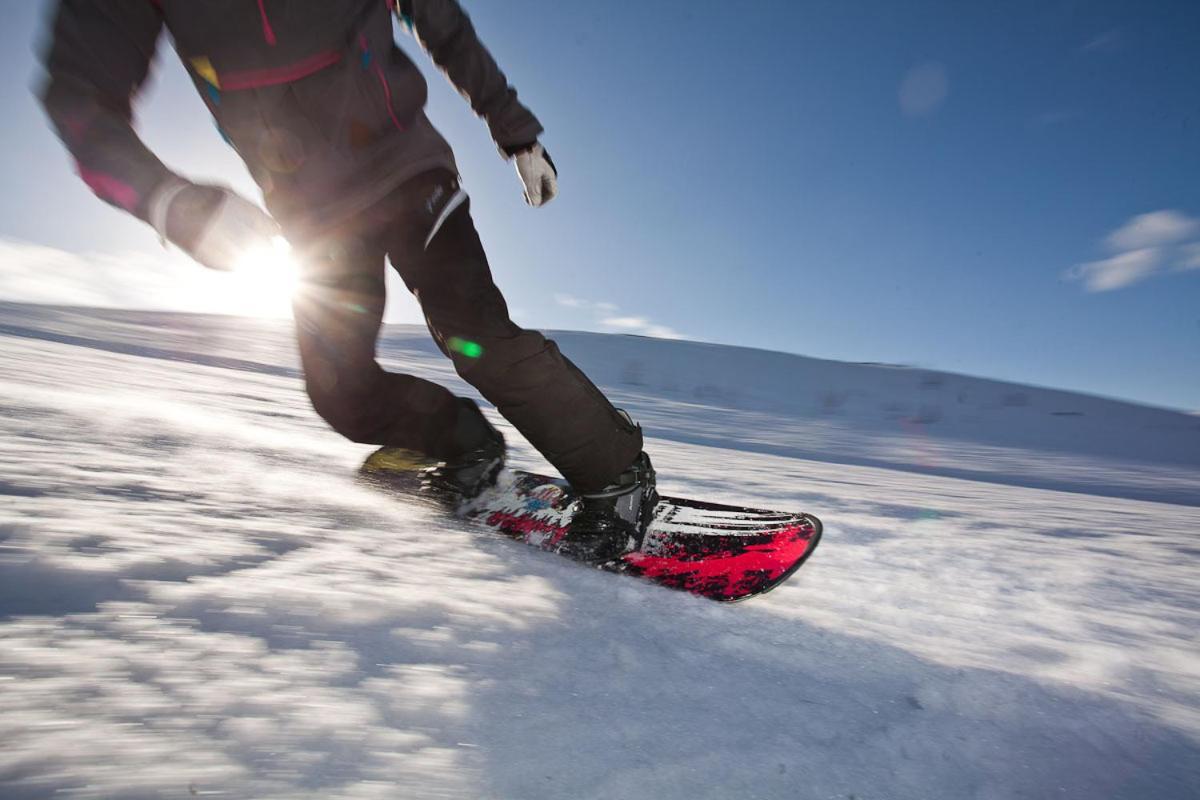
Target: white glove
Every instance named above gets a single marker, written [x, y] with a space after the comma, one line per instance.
[537, 172]
[213, 224]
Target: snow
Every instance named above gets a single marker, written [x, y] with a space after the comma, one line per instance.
[198, 599]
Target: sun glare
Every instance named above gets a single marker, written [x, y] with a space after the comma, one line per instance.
[264, 279]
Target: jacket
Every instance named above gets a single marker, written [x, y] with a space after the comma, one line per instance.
[322, 106]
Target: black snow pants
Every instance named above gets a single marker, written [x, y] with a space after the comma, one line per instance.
[424, 228]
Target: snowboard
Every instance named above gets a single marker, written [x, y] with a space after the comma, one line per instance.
[724, 553]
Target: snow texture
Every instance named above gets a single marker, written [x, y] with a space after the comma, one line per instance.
[198, 599]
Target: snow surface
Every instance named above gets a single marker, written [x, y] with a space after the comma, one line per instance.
[197, 598]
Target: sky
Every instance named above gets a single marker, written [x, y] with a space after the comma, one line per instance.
[1006, 190]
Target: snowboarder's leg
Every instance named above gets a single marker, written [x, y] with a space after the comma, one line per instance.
[338, 312]
[546, 397]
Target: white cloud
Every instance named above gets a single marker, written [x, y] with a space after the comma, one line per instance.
[1154, 229]
[628, 323]
[1189, 256]
[641, 326]
[1147, 244]
[1101, 42]
[1119, 271]
[567, 300]
[169, 281]
[163, 281]
[1049, 119]
[39, 274]
[923, 89]
[607, 315]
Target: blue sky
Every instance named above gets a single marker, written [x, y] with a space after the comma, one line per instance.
[1009, 190]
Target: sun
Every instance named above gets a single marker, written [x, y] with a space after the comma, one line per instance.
[264, 279]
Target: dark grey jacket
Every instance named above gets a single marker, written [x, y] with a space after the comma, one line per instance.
[316, 98]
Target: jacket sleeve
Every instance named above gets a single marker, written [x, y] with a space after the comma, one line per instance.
[96, 59]
[446, 33]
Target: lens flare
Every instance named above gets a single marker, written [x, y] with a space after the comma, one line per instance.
[465, 347]
[265, 278]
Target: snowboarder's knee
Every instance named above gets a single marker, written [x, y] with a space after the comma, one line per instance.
[354, 426]
[345, 413]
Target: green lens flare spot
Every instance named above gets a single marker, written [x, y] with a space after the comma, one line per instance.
[465, 347]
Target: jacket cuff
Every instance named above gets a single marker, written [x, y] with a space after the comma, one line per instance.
[514, 129]
[516, 149]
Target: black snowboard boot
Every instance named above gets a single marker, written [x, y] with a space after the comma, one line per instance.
[466, 476]
[611, 522]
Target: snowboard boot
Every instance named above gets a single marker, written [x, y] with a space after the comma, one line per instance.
[611, 522]
[465, 477]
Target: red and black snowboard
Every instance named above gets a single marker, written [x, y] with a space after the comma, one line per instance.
[720, 552]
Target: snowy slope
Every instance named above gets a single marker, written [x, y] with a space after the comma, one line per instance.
[198, 599]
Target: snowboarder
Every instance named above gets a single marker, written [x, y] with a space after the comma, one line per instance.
[328, 115]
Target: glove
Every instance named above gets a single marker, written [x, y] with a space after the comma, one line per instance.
[212, 224]
[537, 172]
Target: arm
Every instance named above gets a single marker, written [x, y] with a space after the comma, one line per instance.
[446, 33]
[97, 58]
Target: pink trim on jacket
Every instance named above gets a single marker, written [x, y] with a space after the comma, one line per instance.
[387, 90]
[268, 31]
[387, 93]
[255, 78]
[110, 188]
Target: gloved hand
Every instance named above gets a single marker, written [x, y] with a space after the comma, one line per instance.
[212, 224]
[537, 172]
